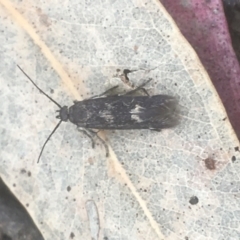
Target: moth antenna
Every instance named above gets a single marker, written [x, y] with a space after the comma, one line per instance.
[39, 88]
[48, 140]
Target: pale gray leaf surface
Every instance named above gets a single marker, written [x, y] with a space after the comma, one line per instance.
[181, 183]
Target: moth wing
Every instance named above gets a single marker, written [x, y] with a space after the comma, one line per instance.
[163, 115]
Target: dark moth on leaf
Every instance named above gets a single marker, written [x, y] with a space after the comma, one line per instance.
[124, 112]
[120, 111]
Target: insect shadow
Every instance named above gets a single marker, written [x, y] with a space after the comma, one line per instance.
[119, 111]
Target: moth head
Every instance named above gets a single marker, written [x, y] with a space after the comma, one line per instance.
[63, 114]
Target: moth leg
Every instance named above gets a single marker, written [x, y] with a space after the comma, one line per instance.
[141, 87]
[104, 93]
[126, 72]
[103, 142]
[144, 90]
[87, 134]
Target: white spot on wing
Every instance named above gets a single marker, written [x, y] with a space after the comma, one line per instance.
[137, 109]
[106, 115]
[136, 118]
[135, 113]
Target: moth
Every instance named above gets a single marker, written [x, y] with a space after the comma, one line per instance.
[119, 111]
